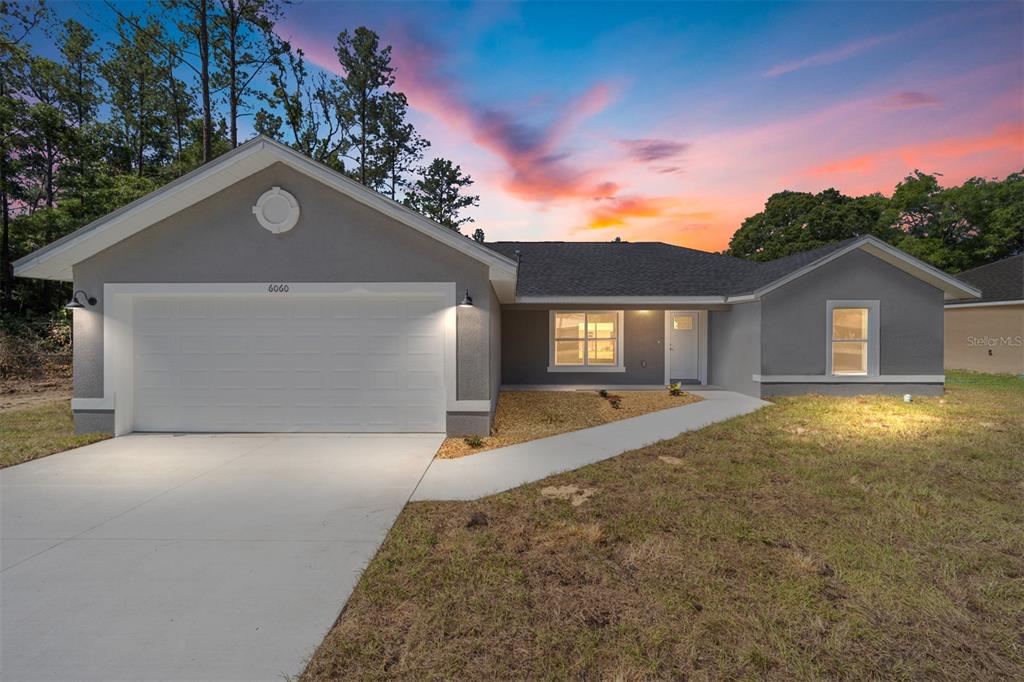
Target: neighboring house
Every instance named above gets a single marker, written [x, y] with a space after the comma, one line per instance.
[987, 334]
[265, 292]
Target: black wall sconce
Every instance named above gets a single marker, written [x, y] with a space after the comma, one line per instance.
[467, 301]
[75, 304]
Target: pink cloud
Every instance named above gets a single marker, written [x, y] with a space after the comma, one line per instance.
[653, 149]
[829, 56]
[537, 166]
[909, 99]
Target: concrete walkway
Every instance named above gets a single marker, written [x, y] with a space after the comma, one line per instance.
[494, 471]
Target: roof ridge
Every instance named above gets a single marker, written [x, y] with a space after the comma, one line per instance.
[1001, 261]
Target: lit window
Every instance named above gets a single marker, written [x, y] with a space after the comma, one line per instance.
[682, 322]
[586, 339]
[850, 340]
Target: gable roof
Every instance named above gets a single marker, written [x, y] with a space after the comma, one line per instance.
[617, 269]
[998, 282]
[55, 260]
[653, 272]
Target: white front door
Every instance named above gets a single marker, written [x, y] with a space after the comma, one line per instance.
[238, 363]
[684, 346]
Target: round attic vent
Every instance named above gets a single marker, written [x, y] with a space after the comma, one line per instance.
[277, 210]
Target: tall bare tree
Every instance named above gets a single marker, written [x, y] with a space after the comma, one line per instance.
[243, 46]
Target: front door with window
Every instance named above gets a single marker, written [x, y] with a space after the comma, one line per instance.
[684, 347]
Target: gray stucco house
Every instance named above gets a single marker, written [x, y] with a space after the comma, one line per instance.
[265, 292]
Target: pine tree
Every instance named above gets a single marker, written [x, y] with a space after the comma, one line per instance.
[438, 194]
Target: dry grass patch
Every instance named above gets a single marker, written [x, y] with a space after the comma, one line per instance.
[36, 430]
[883, 541]
[523, 416]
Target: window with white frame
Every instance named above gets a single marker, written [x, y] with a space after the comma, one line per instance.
[853, 338]
[586, 339]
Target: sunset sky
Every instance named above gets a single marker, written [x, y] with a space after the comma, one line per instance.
[675, 121]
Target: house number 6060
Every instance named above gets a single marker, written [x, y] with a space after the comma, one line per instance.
[278, 288]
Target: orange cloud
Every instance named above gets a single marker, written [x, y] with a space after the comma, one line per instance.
[1007, 138]
[619, 210]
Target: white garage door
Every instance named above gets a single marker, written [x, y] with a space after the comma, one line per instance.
[289, 364]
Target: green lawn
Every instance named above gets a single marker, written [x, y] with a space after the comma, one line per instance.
[820, 538]
[39, 430]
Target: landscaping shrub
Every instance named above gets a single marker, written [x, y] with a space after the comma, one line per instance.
[473, 441]
[615, 401]
[675, 389]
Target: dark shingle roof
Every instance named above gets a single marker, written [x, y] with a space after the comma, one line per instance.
[622, 269]
[999, 281]
[769, 271]
[643, 269]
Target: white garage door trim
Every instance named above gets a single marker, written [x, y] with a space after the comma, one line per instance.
[118, 328]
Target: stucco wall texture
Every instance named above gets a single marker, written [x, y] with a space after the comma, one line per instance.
[337, 239]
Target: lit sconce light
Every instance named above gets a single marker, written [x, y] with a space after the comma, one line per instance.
[75, 304]
[467, 301]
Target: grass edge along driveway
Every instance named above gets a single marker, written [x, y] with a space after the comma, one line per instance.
[821, 537]
[38, 430]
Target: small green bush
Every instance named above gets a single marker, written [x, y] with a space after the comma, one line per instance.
[473, 441]
[603, 393]
[675, 389]
[615, 401]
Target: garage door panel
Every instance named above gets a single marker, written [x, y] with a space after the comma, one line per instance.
[289, 364]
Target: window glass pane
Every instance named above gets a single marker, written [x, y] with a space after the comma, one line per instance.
[602, 351]
[569, 325]
[569, 352]
[849, 357]
[849, 323]
[601, 325]
[682, 322]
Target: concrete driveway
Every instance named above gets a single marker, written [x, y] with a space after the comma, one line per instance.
[191, 557]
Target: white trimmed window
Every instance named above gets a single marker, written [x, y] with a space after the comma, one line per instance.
[853, 338]
[586, 341]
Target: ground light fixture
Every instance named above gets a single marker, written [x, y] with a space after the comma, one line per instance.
[467, 301]
[75, 304]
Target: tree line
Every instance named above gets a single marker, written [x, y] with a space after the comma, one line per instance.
[104, 123]
[952, 228]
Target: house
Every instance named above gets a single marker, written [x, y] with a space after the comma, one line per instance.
[265, 292]
[987, 334]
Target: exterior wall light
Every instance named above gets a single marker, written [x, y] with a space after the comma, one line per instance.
[75, 304]
[467, 301]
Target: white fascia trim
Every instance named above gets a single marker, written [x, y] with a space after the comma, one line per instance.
[954, 306]
[869, 243]
[118, 335]
[92, 404]
[259, 153]
[622, 300]
[586, 369]
[849, 379]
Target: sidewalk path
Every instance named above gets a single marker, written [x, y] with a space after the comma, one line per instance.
[494, 471]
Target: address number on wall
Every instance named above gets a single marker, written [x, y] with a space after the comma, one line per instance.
[278, 288]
